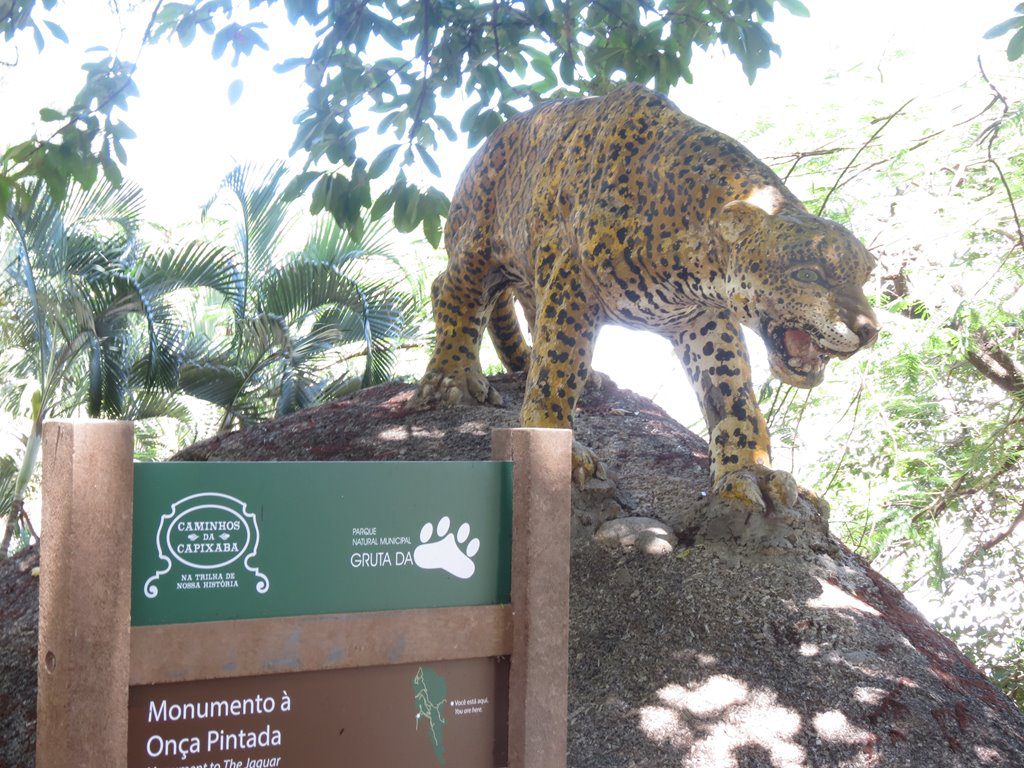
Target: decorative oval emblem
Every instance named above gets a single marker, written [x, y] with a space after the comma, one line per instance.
[206, 532]
[207, 536]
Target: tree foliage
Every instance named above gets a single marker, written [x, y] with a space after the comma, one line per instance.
[388, 65]
[94, 321]
[919, 444]
[83, 141]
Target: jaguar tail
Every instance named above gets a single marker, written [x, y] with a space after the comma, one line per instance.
[506, 334]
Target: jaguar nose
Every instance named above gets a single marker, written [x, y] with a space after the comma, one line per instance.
[866, 329]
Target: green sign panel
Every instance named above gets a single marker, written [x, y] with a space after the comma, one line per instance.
[216, 541]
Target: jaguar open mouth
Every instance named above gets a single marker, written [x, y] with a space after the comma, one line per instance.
[796, 358]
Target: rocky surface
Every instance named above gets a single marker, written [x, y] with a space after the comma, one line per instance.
[706, 635]
[19, 623]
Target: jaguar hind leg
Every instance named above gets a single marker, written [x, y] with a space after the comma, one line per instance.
[454, 374]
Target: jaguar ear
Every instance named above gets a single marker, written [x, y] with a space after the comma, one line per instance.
[739, 219]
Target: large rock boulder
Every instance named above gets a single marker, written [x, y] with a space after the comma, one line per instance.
[722, 637]
[702, 634]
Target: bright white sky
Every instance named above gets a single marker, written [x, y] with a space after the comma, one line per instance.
[854, 55]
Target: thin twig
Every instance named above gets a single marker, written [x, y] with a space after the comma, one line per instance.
[786, 392]
[799, 156]
[404, 345]
[796, 429]
[1005, 534]
[846, 448]
[771, 408]
[992, 133]
[885, 122]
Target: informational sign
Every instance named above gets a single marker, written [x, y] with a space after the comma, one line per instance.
[451, 714]
[220, 541]
[302, 615]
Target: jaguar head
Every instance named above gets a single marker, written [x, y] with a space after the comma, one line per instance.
[797, 280]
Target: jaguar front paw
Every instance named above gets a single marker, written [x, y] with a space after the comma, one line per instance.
[760, 487]
[438, 388]
[586, 465]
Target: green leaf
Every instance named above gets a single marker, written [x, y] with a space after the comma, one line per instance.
[84, 170]
[1001, 29]
[446, 127]
[567, 69]
[56, 31]
[320, 193]
[432, 230]
[186, 31]
[48, 115]
[220, 42]
[298, 186]
[406, 201]
[235, 91]
[482, 127]
[289, 64]
[122, 131]
[382, 204]
[428, 160]
[1016, 46]
[795, 7]
[383, 161]
[111, 171]
[56, 182]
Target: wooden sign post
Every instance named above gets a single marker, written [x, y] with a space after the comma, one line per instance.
[253, 615]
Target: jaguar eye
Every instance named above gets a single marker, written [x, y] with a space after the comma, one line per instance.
[807, 275]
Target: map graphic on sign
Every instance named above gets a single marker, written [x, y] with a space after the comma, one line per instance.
[202, 538]
[430, 691]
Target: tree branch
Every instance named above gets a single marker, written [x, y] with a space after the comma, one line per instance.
[957, 489]
[998, 367]
[985, 546]
[1000, 537]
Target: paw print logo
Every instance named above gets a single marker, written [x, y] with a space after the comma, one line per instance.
[447, 551]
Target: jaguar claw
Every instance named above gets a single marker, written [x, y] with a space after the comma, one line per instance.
[586, 465]
[760, 487]
[448, 390]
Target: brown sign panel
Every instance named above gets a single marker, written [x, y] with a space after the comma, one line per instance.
[451, 713]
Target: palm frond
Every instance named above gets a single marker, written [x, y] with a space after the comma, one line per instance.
[195, 265]
[8, 479]
[329, 242]
[342, 386]
[263, 220]
[235, 376]
[154, 403]
[40, 226]
[213, 381]
[103, 206]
